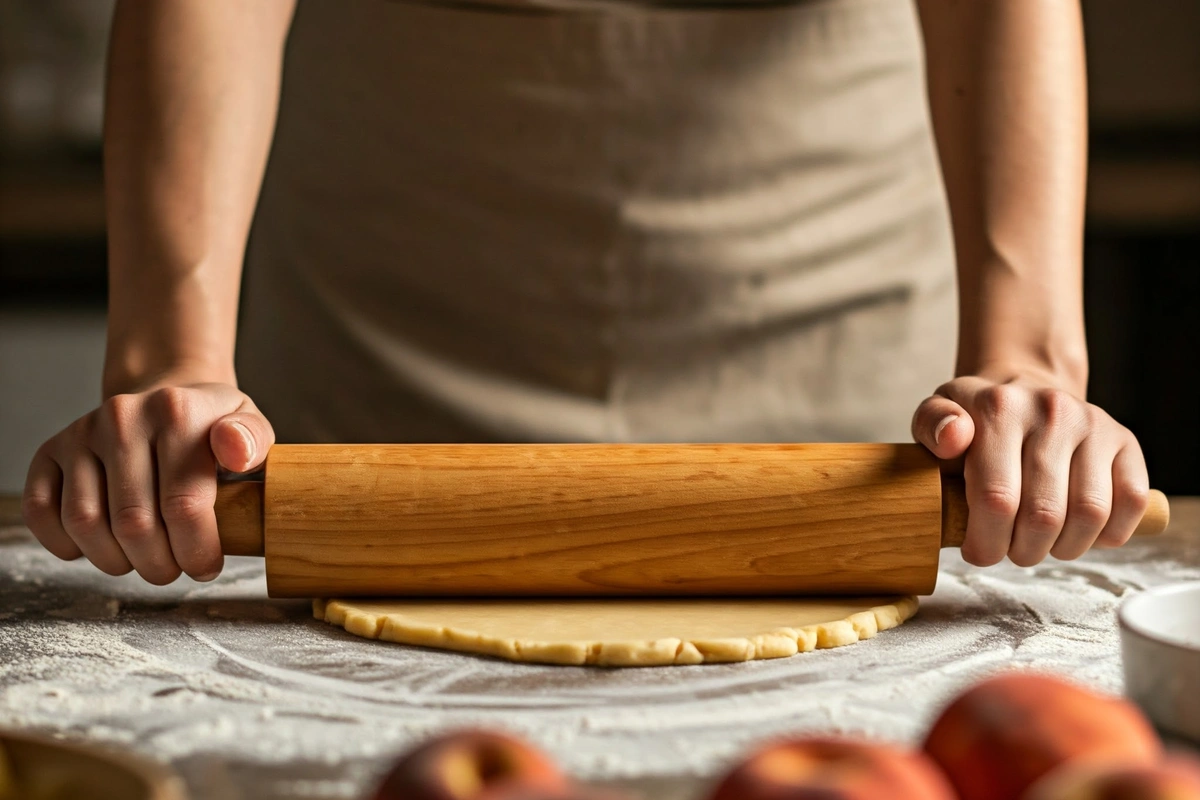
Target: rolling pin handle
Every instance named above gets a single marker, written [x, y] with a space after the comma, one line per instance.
[239, 509]
[954, 512]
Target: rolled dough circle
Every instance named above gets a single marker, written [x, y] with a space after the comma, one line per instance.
[622, 632]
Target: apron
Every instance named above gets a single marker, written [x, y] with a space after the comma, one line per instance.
[503, 221]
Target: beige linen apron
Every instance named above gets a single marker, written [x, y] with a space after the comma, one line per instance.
[602, 222]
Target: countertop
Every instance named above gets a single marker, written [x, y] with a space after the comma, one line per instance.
[249, 697]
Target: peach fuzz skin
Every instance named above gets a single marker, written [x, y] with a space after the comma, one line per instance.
[481, 765]
[833, 769]
[471, 765]
[1002, 735]
[1176, 778]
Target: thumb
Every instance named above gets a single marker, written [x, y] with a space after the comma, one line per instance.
[943, 426]
[240, 440]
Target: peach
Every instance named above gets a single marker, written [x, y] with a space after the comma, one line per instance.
[1176, 778]
[1000, 736]
[474, 765]
[575, 792]
[833, 769]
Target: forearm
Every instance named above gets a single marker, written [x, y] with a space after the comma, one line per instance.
[1007, 95]
[191, 101]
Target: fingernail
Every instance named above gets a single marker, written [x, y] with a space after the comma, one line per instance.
[251, 448]
[207, 578]
[941, 426]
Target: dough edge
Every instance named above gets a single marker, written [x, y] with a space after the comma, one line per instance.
[779, 643]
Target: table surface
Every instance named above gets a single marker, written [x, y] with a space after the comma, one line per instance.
[249, 697]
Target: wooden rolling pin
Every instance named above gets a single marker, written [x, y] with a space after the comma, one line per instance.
[508, 520]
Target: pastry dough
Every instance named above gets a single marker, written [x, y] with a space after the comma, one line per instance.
[622, 632]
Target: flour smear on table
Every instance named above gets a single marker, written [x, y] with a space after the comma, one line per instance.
[251, 697]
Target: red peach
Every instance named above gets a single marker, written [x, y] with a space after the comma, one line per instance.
[1000, 736]
[1176, 778]
[833, 769]
[575, 792]
[473, 765]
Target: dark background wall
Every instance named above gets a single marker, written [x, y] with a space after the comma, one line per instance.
[1142, 280]
[1142, 254]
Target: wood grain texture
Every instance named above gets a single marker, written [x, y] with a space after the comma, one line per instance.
[239, 508]
[955, 513]
[954, 510]
[521, 520]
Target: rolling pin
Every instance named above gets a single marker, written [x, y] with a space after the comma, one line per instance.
[594, 520]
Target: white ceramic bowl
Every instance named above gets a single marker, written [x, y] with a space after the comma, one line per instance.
[1160, 645]
[44, 767]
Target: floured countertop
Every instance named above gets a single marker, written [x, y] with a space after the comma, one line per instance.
[248, 697]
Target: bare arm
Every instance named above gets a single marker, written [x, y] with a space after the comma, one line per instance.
[192, 94]
[1046, 472]
[1007, 94]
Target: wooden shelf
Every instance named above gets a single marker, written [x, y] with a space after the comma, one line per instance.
[58, 203]
[10, 510]
[1144, 193]
[54, 203]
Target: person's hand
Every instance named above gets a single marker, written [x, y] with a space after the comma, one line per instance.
[1046, 472]
[132, 484]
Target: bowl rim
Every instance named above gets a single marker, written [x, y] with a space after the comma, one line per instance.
[159, 778]
[1155, 593]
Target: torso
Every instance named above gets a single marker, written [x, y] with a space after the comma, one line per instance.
[618, 223]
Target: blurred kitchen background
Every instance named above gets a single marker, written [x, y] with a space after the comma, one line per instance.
[1143, 244]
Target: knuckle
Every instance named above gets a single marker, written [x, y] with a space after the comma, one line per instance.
[134, 523]
[999, 501]
[1133, 495]
[185, 507]
[1092, 510]
[37, 508]
[119, 416]
[82, 518]
[1000, 400]
[1057, 405]
[173, 406]
[1044, 516]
